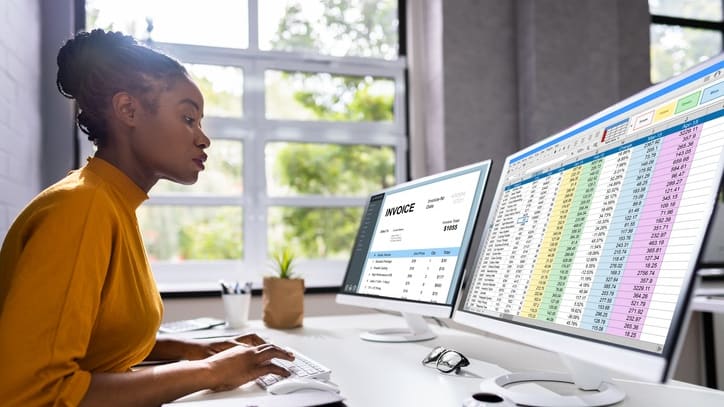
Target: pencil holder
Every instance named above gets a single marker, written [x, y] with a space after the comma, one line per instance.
[236, 309]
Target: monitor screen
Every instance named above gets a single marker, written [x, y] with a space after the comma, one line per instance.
[412, 243]
[594, 233]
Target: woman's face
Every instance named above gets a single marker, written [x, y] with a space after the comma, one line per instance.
[169, 144]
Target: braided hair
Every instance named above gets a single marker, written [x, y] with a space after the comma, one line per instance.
[94, 66]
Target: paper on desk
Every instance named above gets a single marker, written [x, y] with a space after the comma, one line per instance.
[300, 398]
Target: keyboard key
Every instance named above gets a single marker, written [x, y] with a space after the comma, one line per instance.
[302, 366]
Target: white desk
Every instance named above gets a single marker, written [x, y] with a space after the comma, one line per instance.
[382, 374]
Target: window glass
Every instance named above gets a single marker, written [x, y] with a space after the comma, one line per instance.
[222, 175]
[176, 21]
[313, 233]
[327, 97]
[674, 49]
[307, 182]
[710, 10]
[222, 87]
[180, 233]
[362, 28]
[328, 169]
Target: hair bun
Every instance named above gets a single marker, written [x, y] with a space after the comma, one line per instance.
[82, 55]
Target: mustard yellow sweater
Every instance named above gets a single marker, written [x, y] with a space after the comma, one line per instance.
[76, 292]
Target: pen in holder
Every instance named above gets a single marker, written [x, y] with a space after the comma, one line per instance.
[237, 300]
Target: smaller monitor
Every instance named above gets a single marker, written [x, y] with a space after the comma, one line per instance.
[411, 247]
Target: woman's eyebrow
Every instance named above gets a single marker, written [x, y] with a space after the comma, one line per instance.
[190, 102]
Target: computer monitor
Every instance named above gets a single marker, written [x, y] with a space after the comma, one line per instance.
[410, 249]
[593, 237]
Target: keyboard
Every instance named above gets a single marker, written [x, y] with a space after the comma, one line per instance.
[187, 325]
[301, 366]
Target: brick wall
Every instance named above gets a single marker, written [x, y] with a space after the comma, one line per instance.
[20, 119]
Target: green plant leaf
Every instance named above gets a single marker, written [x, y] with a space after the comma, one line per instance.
[283, 260]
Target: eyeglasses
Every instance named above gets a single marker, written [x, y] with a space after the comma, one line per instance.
[446, 360]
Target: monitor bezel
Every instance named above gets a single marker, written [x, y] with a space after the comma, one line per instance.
[438, 310]
[651, 366]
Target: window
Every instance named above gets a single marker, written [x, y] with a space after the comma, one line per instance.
[305, 107]
[683, 33]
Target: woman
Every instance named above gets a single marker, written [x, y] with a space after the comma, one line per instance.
[78, 304]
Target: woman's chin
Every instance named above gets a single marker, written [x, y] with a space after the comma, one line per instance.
[187, 180]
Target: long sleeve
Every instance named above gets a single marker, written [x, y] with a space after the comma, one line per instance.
[50, 308]
[76, 292]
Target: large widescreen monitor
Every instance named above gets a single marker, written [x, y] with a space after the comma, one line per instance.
[411, 248]
[594, 234]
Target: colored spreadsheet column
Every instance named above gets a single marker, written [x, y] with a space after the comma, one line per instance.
[551, 239]
[542, 206]
[570, 238]
[618, 241]
[593, 236]
[652, 233]
[691, 213]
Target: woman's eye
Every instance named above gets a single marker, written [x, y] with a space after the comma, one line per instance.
[189, 120]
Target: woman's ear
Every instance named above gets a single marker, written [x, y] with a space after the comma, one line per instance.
[125, 108]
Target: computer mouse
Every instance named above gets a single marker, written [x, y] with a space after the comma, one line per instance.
[299, 383]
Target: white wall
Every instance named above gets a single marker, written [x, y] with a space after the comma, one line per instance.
[20, 107]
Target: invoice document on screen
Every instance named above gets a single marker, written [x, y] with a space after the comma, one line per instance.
[419, 231]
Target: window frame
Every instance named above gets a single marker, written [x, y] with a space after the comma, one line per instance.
[253, 130]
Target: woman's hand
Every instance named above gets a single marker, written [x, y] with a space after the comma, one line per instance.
[153, 386]
[201, 350]
[250, 340]
[189, 349]
[238, 365]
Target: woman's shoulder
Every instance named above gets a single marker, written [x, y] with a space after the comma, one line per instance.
[67, 207]
[78, 191]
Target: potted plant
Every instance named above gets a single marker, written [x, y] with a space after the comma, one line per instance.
[283, 293]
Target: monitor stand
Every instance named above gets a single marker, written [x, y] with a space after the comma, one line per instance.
[586, 376]
[417, 330]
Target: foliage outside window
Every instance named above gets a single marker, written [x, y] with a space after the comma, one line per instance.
[683, 34]
[304, 123]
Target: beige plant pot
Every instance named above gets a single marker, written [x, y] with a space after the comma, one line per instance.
[283, 302]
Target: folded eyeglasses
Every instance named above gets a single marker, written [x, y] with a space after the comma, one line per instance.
[446, 360]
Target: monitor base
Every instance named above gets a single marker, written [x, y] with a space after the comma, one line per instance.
[417, 330]
[605, 394]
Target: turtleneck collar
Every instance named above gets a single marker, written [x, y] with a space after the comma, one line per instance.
[133, 195]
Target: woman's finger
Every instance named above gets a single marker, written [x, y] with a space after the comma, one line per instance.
[271, 368]
[251, 339]
[267, 353]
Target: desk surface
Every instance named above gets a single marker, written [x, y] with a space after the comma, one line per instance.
[390, 374]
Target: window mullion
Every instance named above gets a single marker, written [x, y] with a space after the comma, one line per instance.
[255, 233]
[253, 25]
[687, 22]
[201, 54]
[317, 201]
[400, 109]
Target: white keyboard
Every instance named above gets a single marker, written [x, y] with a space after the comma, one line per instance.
[301, 366]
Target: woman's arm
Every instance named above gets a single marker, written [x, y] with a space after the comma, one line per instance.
[154, 386]
[180, 349]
